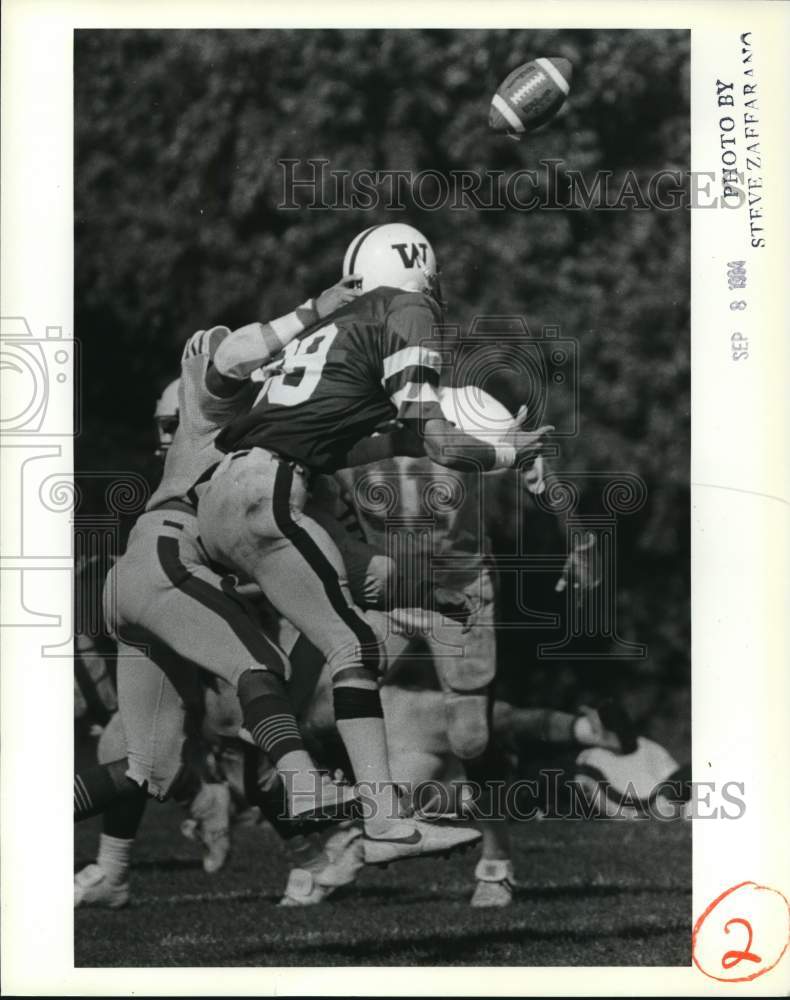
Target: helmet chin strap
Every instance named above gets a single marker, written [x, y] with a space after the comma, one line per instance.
[429, 285]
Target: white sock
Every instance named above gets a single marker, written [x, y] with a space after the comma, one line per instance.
[114, 857]
[302, 780]
[299, 772]
[365, 741]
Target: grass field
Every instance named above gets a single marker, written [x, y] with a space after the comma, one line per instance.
[593, 893]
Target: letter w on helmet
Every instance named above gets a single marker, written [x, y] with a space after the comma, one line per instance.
[394, 255]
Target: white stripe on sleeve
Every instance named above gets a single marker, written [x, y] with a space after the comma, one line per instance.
[415, 392]
[409, 357]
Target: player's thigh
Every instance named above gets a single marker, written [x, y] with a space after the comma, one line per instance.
[465, 658]
[238, 508]
[371, 573]
[112, 741]
[153, 714]
[251, 517]
[203, 619]
[304, 577]
[223, 712]
[197, 614]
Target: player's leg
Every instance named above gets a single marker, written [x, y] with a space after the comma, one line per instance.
[202, 789]
[97, 787]
[106, 882]
[606, 727]
[494, 873]
[146, 740]
[252, 517]
[200, 616]
[467, 682]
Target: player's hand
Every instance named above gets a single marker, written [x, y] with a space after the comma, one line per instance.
[533, 479]
[528, 444]
[454, 604]
[405, 440]
[337, 296]
[581, 569]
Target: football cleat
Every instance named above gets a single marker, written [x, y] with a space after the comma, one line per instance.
[303, 889]
[93, 888]
[495, 883]
[414, 838]
[323, 868]
[345, 856]
[209, 824]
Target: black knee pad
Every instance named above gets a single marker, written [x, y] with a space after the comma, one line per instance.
[357, 703]
[259, 684]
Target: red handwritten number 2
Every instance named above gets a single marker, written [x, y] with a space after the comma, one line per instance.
[733, 958]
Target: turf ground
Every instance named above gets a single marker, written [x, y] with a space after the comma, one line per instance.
[593, 893]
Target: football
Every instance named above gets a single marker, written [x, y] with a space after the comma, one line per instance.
[530, 96]
[476, 412]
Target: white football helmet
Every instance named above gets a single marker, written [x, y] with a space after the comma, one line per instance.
[166, 416]
[395, 255]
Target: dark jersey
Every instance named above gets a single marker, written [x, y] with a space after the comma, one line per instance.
[368, 362]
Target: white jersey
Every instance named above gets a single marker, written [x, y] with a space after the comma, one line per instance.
[200, 416]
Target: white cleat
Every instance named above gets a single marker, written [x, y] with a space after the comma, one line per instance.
[334, 864]
[345, 856]
[209, 824]
[495, 883]
[93, 888]
[303, 889]
[414, 838]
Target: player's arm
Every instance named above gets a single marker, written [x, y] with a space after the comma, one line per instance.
[451, 447]
[389, 441]
[246, 349]
[411, 378]
[440, 441]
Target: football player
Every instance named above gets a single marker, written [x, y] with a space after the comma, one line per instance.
[332, 386]
[432, 521]
[105, 882]
[163, 597]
